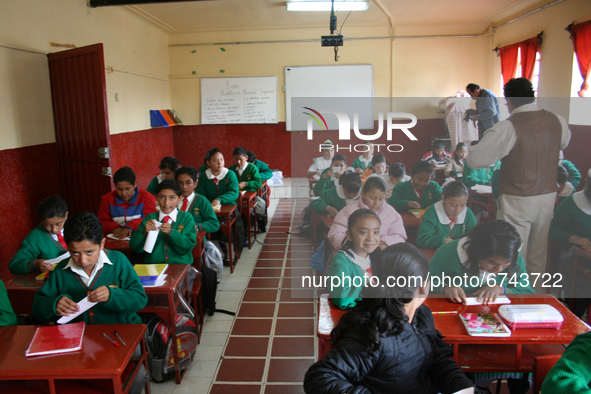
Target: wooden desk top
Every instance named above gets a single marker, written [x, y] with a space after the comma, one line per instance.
[327, 220]
[118, 245]
[175, 274]
[409, 220]
[24, 282]
[98, 357]
[225, 210]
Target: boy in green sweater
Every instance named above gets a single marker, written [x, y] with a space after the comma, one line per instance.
[45, 242]
[333, 200]
[177, 235]
[218, 184]
[481, 176]
[168, 166]
[419, 192]
[263, 168]
[196, 205]
[106, 277]
[363, 162]
[247, 173]
[330, 176]
[7, 315]
[572, 372]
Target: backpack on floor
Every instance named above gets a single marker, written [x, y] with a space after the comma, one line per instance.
[209, 287]
[159, 343]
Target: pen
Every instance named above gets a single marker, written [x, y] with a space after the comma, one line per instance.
[445, 313]
[122, 341]
[112, 341]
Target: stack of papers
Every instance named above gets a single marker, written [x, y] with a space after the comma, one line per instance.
[111, 236]
[151, 274]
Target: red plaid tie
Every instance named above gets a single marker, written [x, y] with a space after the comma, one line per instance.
[185, 204]
[61, 240]
[166, 219]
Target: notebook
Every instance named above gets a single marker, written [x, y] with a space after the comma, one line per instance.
[56, 339]
[500, 300]
[484, 325]
[150, 273]
[43, 275]
[417, 213]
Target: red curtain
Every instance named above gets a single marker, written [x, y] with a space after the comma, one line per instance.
[509, 61]
[529, 49]
[581, 36]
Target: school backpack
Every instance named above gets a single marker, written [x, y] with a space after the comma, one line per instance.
[213, 259]
[159, 343]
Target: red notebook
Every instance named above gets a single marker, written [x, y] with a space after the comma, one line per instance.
[56, 339]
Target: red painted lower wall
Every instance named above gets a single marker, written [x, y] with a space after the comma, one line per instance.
[27, 176]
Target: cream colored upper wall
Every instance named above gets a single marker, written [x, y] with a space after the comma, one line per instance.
[130, 44]
[430, 67]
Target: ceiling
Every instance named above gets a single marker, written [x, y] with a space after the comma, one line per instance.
[225, 15]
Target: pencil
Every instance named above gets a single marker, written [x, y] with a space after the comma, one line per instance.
[124, 344]
[445, 313]
[112, 341]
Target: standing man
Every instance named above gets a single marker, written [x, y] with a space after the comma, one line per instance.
[487, 108]
[528, 144]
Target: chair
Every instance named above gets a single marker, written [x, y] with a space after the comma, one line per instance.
[542, 365]
[486, 201]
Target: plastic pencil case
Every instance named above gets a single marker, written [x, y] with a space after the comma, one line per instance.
[531, 316]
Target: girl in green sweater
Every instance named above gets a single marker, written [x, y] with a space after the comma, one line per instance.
[419, 192]
[331, 201]
[352, 264]
[218, 184]
[447, 219]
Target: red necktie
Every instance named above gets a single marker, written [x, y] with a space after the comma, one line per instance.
[166, 219]
[61, 240]
[215, 180]
[185, 204]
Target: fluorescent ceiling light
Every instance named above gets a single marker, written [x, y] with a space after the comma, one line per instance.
[326, 5]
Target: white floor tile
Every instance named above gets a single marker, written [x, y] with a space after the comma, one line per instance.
[207, 353]
[193, 386]
[202, 369]
[162, 388]
[214, 338]
[217, 325]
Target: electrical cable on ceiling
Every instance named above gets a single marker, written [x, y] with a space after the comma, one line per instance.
[341, 30]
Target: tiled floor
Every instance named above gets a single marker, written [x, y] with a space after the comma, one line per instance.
[269, 345]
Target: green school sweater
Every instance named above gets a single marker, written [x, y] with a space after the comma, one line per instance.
[173, 248]
[357, 163]
[39, 244]
[204, 215]
[569, 219]
[574, 176]
[346, 295]
[432, 232]
[481, 176]
[153, 185]
[250, 175]
[328, 198]
[7, 315]
[323, 184]
[226, 190]
[403, 193]
[127, 295]
[264, 169]
[572, 372]
[447, 261]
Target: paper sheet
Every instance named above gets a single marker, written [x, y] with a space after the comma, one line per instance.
[151, 238]
[159, 282]
[57, 259]
[482, 189]
[84, 305]
[111, 236]
[500, 300]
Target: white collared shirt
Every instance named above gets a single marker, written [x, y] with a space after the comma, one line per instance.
[102, 260]
[341, 194]
[320, 164]
[366, 162]
[172, 215]
[189, 199]
[582, 202]
[363, 262]
[221, 176]
[241, 169]
[54, 236]
[444, 218]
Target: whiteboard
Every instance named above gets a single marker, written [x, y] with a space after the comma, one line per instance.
[336, 82]
[239, 100]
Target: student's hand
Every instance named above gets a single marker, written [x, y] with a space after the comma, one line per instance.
[318, 173]
[455, 294]
[166, 228]
[40, 265]
[338, 175]
[332, 211]
[488, 294]
[359, 170]
[413, 205]
[388, 194]
[122, 232]
[101, 294]
[382, 245]
[582, 242]
[447, 240]
[216, 203]
[242, 185]
[327, 174]
[65, 306]
[151, 226]
[474, 117]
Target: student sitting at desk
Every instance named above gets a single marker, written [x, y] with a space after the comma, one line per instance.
[574, 176]
[333, 200]
[388, 343]
[571, 225]
[122, 210]
[396, 174]
[373, 197]
[482, 176]
[363, 162]
[572, 372]
[323, 162]
[168, 166]
[44, 242]
[105, 276]
[419, 192]
[438, 156]
[264, 170]
[378, 167]
[247, 173]
[195, 204]
[7, 315]
[454, 166]
[218, 184]
[354, 260]
[446, 220]
[330, 177]
[176, 237]
[565, 188]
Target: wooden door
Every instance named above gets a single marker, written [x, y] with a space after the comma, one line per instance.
[81, 122]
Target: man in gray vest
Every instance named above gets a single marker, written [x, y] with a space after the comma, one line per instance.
[528, 144]
[487, 108]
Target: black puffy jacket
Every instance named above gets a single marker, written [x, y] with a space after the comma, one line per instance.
[416, 361]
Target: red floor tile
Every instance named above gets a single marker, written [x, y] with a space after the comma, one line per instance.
[266, 272]
[247, 347]
[271, 255]
[269, 263]
[281, 370]
[294, 327]
[296, 310]
[295, 295]
[293, 347]
[278, 229]
[249, 309]
[241, 370]
[284, 389]
[299, 255]
[252, 327]
[265, 283]
[296, 283]
[273, 248]
[264, 295]
[298, 272]
[236, 388]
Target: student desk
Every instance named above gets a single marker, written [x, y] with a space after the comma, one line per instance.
[199, 250]
[227, 218]
[98, 367]
[247, 201]
[21, 289]
[118, 245]
[478, 354]
[164, 301]
[411, 225]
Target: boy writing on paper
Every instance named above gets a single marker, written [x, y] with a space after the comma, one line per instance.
[46, 241]
[122, 210]
[247, 173]
[177, 236]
